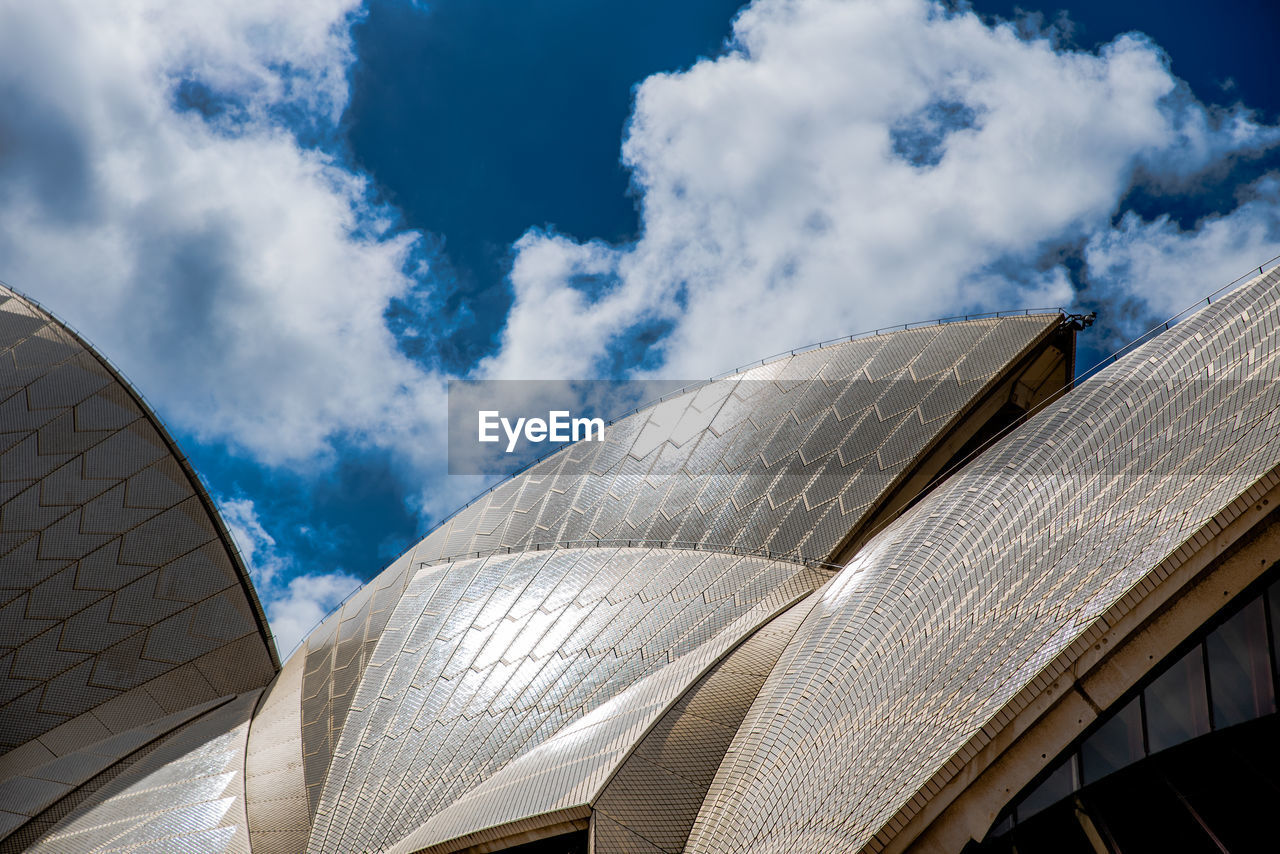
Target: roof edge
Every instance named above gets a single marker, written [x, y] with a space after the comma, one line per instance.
[786, 354]
[197, 483]
[673, 545]
[875, 520]
[1180, 571]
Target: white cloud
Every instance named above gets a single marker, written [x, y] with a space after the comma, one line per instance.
[257, 547]
[847, 165]
[152, 193]
[295, 601]
[301, 606]
[1169, 268]
[851, 165]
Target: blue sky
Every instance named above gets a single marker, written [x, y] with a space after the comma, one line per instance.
[291, 222]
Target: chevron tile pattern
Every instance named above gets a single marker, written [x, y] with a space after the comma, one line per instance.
[563, 776]
[948, 614]
[116, 584]
[484, 658]
[37, 799]
[653, 798]
[186, 795]
[581, 642]
[787, 457]
[641, 635]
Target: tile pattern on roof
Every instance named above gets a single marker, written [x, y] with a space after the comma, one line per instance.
[786, 457]
[957, 606]
[28, 799]
[653, 799]
[185, 795]
[113, 572]
[483, 659]
[566, 774]
[275, 792]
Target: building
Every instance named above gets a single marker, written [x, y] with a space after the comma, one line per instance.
[903, 591]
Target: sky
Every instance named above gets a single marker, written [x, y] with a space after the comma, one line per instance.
[292, 222]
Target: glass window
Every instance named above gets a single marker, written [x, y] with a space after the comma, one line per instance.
[1240, 668]
[1273, 602]
[1177, 704]
[1064, 780]
[1117, 743]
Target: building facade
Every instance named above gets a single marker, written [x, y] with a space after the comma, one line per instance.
[909, 591]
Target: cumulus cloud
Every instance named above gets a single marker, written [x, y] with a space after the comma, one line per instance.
[851, 165]
[154, 192]
[1169, 268]
[304, 603]
[295, 600]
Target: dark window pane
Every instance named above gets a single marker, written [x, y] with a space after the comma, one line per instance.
[1273, 600]
[1240, 668]
[1117, 743]
[1063, 781]
[1177, 705]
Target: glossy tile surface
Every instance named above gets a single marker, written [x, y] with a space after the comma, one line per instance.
[568, 772]
[953, 610]
[586, 636]
[654, 796]
[186, 795]
[276, 795]
[121, 598]
[27, 799]
[788, 457]
[483, 659]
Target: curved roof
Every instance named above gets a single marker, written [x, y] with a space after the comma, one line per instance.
[556, 666]
[793, 457]
[911, 656]
[122, 598]
[186, 793]
[787, 457]
[275, 789]
[642, 762]
[483, 659]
